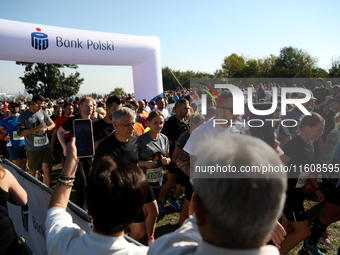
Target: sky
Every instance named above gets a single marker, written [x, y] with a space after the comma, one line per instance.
[194, 35]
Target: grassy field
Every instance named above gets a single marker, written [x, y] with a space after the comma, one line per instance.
[168, 222]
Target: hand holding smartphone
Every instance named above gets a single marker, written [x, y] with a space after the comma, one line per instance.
[82, 129]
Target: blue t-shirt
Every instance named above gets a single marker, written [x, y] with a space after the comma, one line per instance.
[10, 123]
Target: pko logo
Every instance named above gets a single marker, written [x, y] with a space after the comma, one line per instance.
[39, 41]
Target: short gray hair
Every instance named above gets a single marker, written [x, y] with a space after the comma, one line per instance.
[243, 210]
[121, 113]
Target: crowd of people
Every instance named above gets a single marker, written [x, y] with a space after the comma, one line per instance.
[143, 150]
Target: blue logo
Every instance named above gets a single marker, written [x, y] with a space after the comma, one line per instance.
[39, 41]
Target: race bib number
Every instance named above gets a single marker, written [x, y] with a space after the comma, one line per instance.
[40, 141]
[154, 174]
[16, 137]
[302, 180]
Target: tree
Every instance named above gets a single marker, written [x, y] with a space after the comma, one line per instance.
[233, 66]
[48, 80]
[118, 91]
[334, 70]
[296, 63]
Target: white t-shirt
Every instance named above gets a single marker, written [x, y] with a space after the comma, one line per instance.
[65, 237]
[165, 112]
[188, 241]
[207, 130]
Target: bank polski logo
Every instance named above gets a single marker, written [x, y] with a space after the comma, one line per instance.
[39, 40]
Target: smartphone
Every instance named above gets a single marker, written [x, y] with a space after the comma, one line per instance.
[266, 132]
[82, 129]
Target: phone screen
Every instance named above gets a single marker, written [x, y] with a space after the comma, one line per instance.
[82, 129]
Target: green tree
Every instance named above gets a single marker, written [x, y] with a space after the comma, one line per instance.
[94, 95]
[118, 91]
[48, 80]
[334, 70]
[295, 63]
[233, 66]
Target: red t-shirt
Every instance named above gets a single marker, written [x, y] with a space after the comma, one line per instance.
[59, 122]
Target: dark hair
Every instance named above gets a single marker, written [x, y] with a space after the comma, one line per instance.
[38, 97]
[111, 100]
[67, 104]
[158, 98]
[224, 97]
[181, 101]
[56, 106]
[310, 120]
[115, 194]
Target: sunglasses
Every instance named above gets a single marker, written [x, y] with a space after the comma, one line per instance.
[38, 105]
[228, 108]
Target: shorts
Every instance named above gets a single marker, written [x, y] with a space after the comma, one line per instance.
[140, 218]
[181, 177]
[35, 158]
[171, 168]
[150, 196]
[295, 214]
[17, 151]
[333, 194]
[188, 191]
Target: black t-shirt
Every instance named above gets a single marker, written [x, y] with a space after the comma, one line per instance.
[68, 124]
[53, 117]
[120, 150]
[173, 128]
[329, 123]
[301, 154]
[101, 129]
[320, 94]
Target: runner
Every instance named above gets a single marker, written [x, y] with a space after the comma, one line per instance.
[123, 145]
[84, 165]
[299, 152]
[173, 128]
[103, 128]
[33, 125]
[15, 143]
[153, 149]
[55, 144]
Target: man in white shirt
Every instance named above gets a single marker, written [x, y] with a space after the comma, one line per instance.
[161, 107]
[232, 215]
[110, 183]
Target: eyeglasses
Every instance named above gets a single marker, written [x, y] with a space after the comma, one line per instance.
[228, 108]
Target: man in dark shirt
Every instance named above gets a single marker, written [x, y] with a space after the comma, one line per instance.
[322, 95]
[84, 165]
[173, 128]
[123, 145]
[103, 128]
[329, 117]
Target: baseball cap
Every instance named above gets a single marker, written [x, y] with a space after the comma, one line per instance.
[153, 103]
[13, 103]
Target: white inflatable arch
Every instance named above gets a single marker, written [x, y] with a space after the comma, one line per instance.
[28, 42]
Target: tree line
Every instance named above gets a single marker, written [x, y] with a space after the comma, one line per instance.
[50, 81]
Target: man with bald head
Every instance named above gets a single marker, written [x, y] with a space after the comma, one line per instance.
[140, 110]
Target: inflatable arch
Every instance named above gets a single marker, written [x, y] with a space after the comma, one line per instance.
[28, 42]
